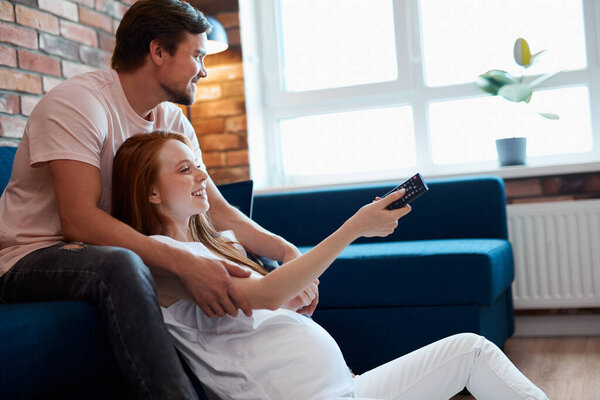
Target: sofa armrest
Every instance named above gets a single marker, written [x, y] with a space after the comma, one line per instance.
[453, 209]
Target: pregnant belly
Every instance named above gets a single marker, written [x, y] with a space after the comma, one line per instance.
[291, 356]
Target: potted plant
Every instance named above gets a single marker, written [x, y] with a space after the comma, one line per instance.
[512, 150]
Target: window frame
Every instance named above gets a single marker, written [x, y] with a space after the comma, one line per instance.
[267, 101]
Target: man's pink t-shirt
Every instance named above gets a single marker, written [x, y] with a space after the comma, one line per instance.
[85, 118]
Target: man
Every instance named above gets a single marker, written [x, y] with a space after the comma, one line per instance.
[60, 192]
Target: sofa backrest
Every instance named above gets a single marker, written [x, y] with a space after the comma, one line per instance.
[7, 155]
[471, 207]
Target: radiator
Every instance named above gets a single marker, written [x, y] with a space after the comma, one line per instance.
[557, 254]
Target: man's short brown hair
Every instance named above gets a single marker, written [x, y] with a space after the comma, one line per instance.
[147, 20]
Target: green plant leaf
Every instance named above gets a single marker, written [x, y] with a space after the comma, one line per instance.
[522, 53]
[500, 78]
[487, 85]
[515, 92]
[551, 116]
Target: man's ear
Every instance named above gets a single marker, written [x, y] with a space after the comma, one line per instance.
[157, 52]
[154, 197]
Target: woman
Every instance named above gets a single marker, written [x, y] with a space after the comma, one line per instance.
[277, 353]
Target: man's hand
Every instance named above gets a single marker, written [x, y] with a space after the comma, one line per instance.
[208, 281]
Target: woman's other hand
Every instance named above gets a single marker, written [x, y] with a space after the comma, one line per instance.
[306, 301]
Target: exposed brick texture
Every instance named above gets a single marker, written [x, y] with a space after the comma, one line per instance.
[71, 69]
[214, 159]
[95, 57]
[62, 8]
[9, 103]
[31, 3]
[12, 126]
[106, 41]
[221, 142]
[28, 103]
[79, 33]
[43, 42]
[38, 20]
[237, 157]
[95, 19]
[233, 89]
[220, 108]
[18, 36]
[523, 187]
[553, 188]
[229, 174]
[207, 125]
[48, 83]
[224, 73]
[8, 56]
[208, 92]
[236, 124]
[38, 63]
[58, 46]
[7, 11]
[87, 3]
[20, 81]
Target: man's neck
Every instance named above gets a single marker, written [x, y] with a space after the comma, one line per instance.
[142, 92]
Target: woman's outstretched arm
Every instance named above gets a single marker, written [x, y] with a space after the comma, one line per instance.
[284, 283]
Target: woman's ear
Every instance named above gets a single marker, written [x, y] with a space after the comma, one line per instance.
[154, 197]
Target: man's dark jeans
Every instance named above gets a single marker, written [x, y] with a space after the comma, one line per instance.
[118, 283]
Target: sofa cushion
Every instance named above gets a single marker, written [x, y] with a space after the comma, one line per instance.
[7, 155]
[47, 347]
[470, 207]
[418, 273]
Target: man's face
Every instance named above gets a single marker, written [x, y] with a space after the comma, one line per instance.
[182, 70]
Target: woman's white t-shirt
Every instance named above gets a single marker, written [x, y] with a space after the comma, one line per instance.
[270, 355]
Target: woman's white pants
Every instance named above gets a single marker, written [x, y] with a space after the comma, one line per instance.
[442, 369]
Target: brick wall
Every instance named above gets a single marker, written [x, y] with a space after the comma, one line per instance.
[219, 113]
[43, 42]
[553, 188]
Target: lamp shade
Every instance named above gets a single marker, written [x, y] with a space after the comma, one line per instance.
[217, 38]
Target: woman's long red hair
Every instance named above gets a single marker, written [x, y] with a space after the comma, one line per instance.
[135, 172]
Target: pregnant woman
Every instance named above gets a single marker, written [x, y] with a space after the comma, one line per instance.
[277, 353]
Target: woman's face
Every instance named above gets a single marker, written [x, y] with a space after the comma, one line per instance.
[180, 191]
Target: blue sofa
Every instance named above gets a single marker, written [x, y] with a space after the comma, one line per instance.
[446, 269]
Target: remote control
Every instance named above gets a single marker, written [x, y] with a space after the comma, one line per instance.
[415, 186]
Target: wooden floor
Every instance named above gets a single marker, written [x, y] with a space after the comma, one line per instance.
[566, 368]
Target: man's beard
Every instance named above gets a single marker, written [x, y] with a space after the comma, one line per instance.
[179, 96]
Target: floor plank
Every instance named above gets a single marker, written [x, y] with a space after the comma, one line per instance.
[566, 368]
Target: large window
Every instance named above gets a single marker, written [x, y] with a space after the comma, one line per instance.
[355, 90]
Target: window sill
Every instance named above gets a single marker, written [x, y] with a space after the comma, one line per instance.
[531, 169]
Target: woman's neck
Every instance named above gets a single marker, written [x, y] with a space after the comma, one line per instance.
[179, 232]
